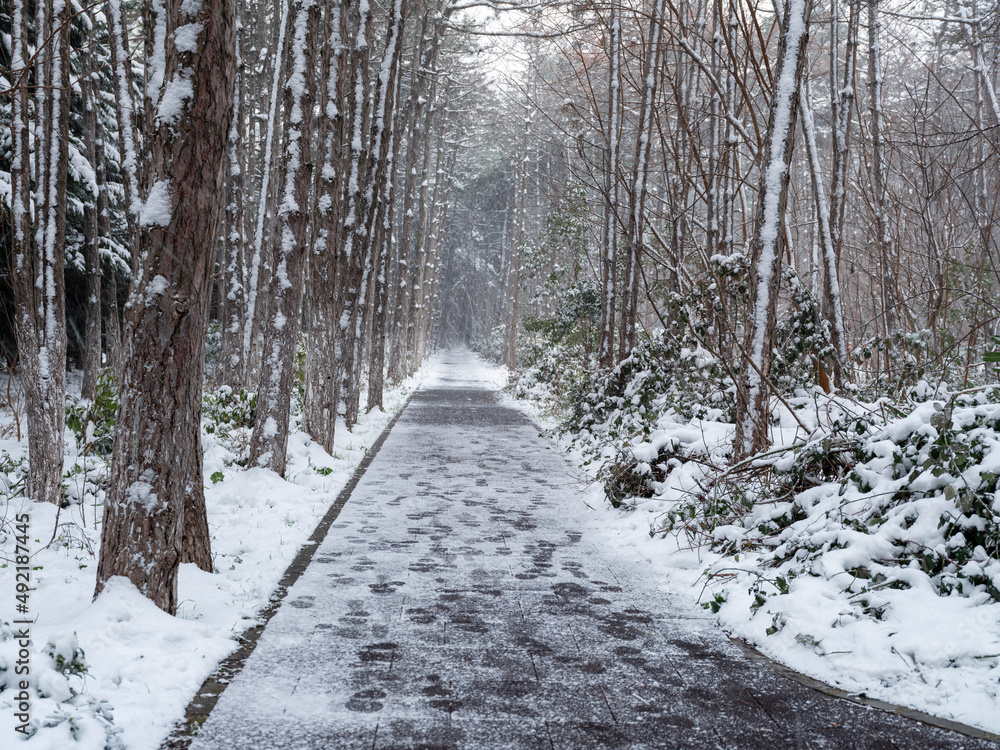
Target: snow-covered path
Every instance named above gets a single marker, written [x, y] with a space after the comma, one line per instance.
[456, 603]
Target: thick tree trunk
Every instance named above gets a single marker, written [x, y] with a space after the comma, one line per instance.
[269, 442]
[155, 509]
[323, 363]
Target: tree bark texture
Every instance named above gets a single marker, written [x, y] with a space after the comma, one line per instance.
[155, 510]
[323, 364]
[269, 441]
[39, 286]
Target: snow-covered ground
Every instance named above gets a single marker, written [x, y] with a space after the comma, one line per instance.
[144, 663]
[844, 613]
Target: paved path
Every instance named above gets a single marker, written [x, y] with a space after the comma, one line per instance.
[454, 604]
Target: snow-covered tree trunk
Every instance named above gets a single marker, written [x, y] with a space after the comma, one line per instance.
[125, 113]
[269, 440]
[155, 509]
[609, 247]
[381, 194]
[637, 208]
[39, 289]
[423, 61]
[234, 299]
[354, 262]
[842, 107]
[428, 151]
[322, 387]
[92, 236]
[425, 251]
[753, 391]
[878, 171]
[257, 278]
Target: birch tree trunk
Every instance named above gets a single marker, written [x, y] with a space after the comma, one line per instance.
[269, 441]
[155, 509]
[753, 391]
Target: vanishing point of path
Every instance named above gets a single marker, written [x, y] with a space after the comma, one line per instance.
[455, 604]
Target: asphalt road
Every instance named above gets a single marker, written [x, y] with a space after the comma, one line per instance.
[455, 604]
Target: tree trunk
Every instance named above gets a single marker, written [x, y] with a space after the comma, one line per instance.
[234, 300]
[753, 393]
[609, 249]
[637, 217]
[90, 93]
[382, 194]
[155, 510]
[269, 442]
[398, 359]
[39, 288]
[878, 170]
[323, 365]
[831, 277]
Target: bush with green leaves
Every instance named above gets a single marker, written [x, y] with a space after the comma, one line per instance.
[889, 498]
[63, 714]
[93, 422]
[227, 409]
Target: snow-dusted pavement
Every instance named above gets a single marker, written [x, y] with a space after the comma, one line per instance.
[456, 603]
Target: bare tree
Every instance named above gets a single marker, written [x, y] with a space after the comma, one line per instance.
[753, 391]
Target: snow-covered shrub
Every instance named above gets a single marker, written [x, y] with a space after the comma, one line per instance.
[556, 354]
[13, 473]
[802, 339]
[878, 504]
[227, 417]
[622, 408]
[226, 409]
[64, 716]
[93, 422]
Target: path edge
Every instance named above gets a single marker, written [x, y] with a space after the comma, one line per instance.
[819, 686]
[204, 701]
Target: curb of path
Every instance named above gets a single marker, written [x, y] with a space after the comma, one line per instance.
[201, 705]
[911, 713]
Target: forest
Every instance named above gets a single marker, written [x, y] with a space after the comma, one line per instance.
[736, 255]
